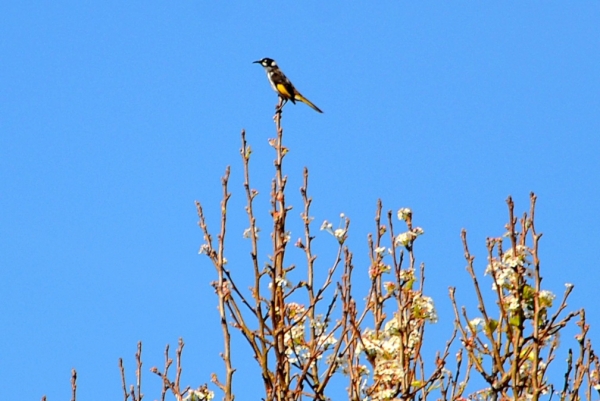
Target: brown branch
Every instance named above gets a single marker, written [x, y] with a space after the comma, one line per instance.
[73, 385]
[123, 382]
[138, 372]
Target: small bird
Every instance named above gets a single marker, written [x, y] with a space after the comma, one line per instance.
[282, 85]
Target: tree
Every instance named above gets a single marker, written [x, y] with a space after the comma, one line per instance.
[299, 347]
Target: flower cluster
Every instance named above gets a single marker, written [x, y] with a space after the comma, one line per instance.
[423, 308]
[200, 394]
[297, 349]
[405, 214]
[339, 233]
[384, 348]
[509, 270]
[378, 269]
[407, 238]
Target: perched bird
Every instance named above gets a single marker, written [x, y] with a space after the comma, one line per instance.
[282, 85]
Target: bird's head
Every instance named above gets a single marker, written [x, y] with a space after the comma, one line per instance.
[266, 62]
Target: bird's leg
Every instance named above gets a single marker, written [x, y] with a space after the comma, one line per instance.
[280, 105]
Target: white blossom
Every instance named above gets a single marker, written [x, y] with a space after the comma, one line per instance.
[546, 298]
[326, 225]
[380, 250]
[476, 324]
[248, 232]
[404, 213]
[204, 249]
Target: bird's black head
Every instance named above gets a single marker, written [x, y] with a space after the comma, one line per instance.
[266, 62]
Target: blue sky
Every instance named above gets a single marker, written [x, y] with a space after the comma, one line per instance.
[116, 116]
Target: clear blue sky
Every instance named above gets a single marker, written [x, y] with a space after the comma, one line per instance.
[115, 116]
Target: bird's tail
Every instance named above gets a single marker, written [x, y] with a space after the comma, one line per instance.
[302, 99]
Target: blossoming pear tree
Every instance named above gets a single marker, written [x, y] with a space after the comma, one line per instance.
[309, 335]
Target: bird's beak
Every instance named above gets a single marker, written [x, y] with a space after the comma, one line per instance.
[256, 62]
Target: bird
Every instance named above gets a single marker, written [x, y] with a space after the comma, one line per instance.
[282, 85]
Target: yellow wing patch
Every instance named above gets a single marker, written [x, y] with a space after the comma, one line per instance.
[283, 91]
